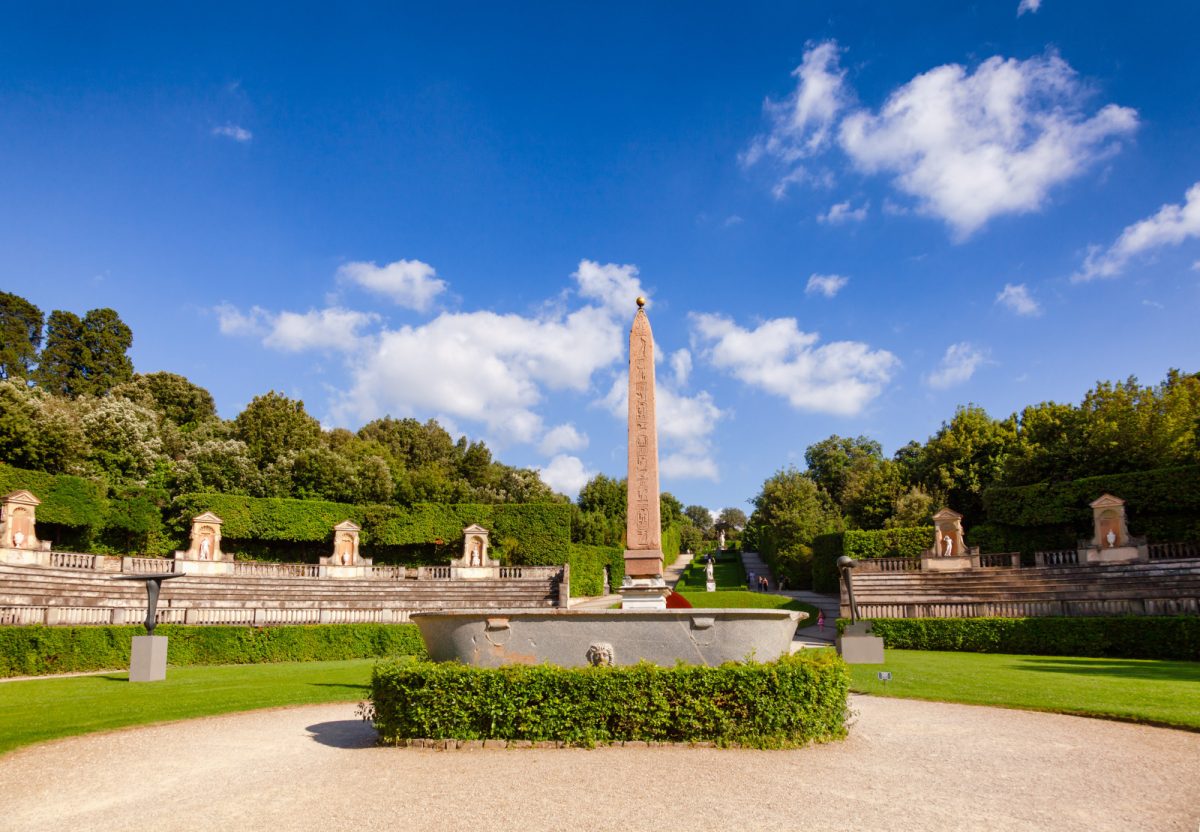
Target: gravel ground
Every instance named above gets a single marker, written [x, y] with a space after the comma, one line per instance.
[907, 765]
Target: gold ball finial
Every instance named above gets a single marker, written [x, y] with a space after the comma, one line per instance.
[641, 302]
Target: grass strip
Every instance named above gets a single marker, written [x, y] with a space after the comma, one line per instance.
[44, 709]
[744, 599]
[1153, 691]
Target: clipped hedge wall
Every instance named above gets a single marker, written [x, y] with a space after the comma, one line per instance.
[66, 501]
[882, 543]
[36, 650]
[1163, 504]
[827, 548]
[1125, 637]
[533, 534]
[587, 568]
[781, 704]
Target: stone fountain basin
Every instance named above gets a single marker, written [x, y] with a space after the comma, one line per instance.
[573, 638]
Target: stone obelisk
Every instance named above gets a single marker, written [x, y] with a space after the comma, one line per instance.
[643, 587]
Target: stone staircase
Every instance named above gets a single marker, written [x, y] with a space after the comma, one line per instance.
[753, 563]
[26, 588]
[1157, 588]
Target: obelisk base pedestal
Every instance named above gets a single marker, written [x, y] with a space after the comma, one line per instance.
[148, 659]
[644, 593]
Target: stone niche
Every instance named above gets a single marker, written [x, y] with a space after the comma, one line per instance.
[345, 547]
[204, 555]
[949, 552]
[1110, 538]
[474, 562]
[18, 521]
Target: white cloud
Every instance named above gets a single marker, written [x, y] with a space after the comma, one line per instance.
[333, 328]
[233, 131]
[1031, 6]
[973, 146]
[1017, 298]
[684, 466]
[566, 474]
[841, 377]
[841, 212]
[615, 287]
[802, 124]
[732, 220]
[825, 284]
[563, 438]
[1169, 227]
[232, 321]
[409, 283]
[958, 365]
[681, 366]
[967, 145]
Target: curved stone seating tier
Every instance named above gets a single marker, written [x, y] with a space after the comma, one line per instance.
[1099, 589]
[35, 595]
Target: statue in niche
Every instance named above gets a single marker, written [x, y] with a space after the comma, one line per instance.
[205, 548]
[476, 558]
[19, 539]
[947, 546]
[1111, 537]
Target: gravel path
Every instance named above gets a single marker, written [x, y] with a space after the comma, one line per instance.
[907, 765]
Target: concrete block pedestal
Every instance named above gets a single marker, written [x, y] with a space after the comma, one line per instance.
[857, 645]
[148, 659]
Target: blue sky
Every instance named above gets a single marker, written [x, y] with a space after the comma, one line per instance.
[849, 217]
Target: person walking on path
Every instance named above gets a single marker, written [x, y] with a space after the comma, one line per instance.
[821, 621]
[750, 581]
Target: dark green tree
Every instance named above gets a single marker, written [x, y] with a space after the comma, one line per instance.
[20, 336]
[85, 357]
[731, 518]
[173, 396]
[700, 517]
[274, 425]
[830, 460]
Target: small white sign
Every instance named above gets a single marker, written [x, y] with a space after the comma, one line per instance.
[885, 676]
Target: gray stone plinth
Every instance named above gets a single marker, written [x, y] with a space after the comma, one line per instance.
[858, 646]
[710, 586]
[644, 594]
[950, 564]
[492, 638]
[148, 660]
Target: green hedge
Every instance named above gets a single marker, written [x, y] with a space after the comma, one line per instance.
[66, 501]
[827, 548]
[1125, 637]
[881, 543]
[787, 703]
[1163, 504]
[36, 651]
[587, 568]
[534, 534]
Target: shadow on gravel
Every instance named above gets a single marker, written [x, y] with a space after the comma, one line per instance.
[344, 733]
[1164, 671]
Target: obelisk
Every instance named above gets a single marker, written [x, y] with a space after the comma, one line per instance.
[643, 587]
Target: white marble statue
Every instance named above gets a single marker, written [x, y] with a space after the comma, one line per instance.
[708, 571]
[947, 546]
[1111, 537]
[18, 539]
[205, 549]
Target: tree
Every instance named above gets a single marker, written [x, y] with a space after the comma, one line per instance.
[411, 444]
[670, 510]
[830, 460]
[85, 357]
[124, 437]
[20, 336]
[701, 517]
[273, 425]
[604, 495]
[789, 512]
[871, 490]
[177, 399]
[731, 518]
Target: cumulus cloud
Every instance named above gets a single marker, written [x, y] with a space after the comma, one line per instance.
[841, 212]
[334, 328]
[615, 287]
[968, 146]
[562, 438]
[566, 474]
[1030, 6]
[1172, 225]
[232, 321]
[825, 284]
[802, 124]
[1017, 298]
[233, 131]
[409, 283]
[841, 377]
[958, 365]
[681, 366]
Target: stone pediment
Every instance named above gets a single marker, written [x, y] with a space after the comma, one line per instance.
[1107, 501]
[207, 517]
[347, 526]
[22, 496]
[947, 514]
[475, 528]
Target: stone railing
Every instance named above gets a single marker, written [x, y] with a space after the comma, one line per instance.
[144, 566]
[1173, 551]
[388, 573]
[258, 569]
[433, 573]
[74, 560]
[1000, 560]
[1030, 609]
[1057, 557]
[249, 616]
[889, 565]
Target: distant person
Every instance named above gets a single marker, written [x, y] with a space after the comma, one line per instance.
[821, 621]
[750, 580]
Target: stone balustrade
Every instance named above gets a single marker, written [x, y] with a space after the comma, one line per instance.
[1173, 551]
[242, 616]
[1057, 557]
[889, 565]
[1000, 560]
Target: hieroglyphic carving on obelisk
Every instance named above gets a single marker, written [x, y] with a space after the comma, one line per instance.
[643, 539]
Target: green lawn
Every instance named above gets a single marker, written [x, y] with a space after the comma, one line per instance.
[42, 709]
[1161, 692]
[727, 572]
[744, 599]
